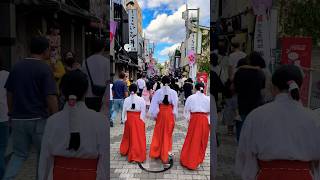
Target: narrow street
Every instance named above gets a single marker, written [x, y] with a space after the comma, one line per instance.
[121, 169]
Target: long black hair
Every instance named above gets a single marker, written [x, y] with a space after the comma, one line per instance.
[74, 84]
[165, 81]
[133, 89]
[288, 77]
[200, 87]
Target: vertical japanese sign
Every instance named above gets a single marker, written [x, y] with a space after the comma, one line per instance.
[297, 51]
[133, 30]
[262, 37]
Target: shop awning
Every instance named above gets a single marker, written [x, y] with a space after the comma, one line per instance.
[57, 5]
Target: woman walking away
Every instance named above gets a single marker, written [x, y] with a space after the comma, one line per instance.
[197, 112]
[133, 142]
[281, 140]
[164, 109]
[74, 145]
[187, 88]
[146, 95]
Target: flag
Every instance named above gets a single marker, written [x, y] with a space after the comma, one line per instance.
[113, 28]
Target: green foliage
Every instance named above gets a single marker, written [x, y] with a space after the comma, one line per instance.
[300, 18]
[204, 59]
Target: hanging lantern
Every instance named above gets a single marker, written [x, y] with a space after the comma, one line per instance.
[191, 57]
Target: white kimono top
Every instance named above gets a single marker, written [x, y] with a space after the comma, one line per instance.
[92, 127]
[280, 130]
[158, 98]
[140, 106]
[197, 102]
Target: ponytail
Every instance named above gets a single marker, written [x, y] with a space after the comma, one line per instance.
[165, 100]
[294, 90]
[133, 105]
[74, 142]
[201, 90]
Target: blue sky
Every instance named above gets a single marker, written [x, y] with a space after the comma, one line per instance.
[163, 23]
[148, 15]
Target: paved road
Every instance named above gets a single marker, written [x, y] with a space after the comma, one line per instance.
[122, 169]
[226, 155]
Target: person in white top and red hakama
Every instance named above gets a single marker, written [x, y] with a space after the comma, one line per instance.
[133, 142]
[197, 113]
[281, 140]
[163, 109]
[74, 145]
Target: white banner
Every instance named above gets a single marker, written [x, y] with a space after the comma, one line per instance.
[133, 30]
[262, 37]
[192, 46]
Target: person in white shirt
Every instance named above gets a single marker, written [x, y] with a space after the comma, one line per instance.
[141, 84]
[4, 126]
[163, 109]
[74, 144]
[133, 142]
[281, 140]
[230, 110]
[197, 113]
[97, 67]
[234, 58]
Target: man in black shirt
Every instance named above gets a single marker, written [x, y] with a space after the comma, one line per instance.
[249, 80]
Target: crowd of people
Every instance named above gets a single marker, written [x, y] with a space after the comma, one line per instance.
[158, 100]
[56, 106]
[51, 105]
[278, 138]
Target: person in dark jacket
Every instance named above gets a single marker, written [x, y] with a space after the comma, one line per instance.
[187, 88]
[249, 81]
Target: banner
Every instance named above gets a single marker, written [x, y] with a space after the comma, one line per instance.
[113, 29]
[203, 77]
[262, 37]
[297, 51]
[133, 30]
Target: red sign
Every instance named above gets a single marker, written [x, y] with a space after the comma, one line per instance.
[203, 77]
[297, 51]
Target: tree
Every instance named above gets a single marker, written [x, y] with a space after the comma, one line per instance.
[203, 60]
[300, 18]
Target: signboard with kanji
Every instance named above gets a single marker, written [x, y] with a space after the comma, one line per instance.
[297, 51]
[133, 30]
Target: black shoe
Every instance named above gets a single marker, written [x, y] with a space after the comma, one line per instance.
[121, 122]
[111, 124]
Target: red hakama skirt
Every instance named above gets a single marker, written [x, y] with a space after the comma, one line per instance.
[74, 168]
[284, 170]
[195, 144]
[162, 134]
[133, 142]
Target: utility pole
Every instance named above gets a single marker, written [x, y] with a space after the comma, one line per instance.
[197, 41]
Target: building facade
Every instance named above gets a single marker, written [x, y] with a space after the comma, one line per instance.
[79, 23]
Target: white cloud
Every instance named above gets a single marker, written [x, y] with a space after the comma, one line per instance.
[174, 5]
[167, 28]
[171, 28]
[141, 3]
[168, 50]
[204, 6]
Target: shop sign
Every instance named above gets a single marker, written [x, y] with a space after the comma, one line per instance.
[133, 30]
[297, 51]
